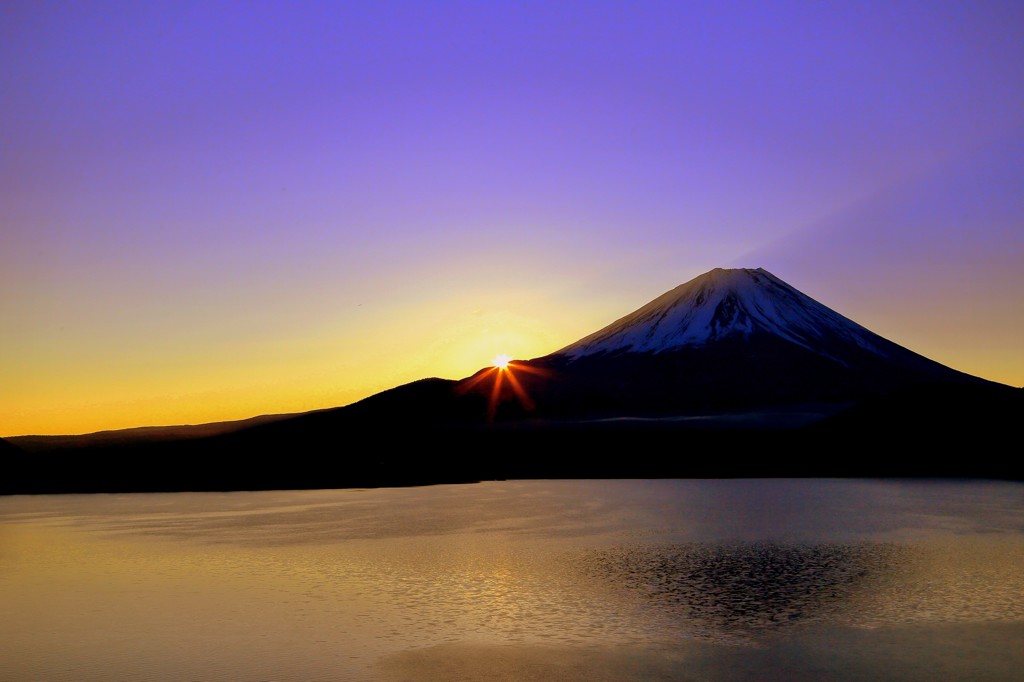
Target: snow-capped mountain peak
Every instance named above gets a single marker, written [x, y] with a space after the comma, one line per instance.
[727, 304]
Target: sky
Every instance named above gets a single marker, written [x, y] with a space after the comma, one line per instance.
[212, 210]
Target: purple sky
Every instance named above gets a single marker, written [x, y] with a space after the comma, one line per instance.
[211, 210]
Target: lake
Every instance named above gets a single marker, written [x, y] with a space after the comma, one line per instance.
[520, 580]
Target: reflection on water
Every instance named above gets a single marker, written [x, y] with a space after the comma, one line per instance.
[725, 591]
[711, 580]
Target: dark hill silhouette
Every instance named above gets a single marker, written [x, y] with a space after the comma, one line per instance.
[938, 430]
[142, 434]
[734, 373]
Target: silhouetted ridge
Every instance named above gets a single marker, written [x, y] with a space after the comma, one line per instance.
[730, 363]
[728, 339]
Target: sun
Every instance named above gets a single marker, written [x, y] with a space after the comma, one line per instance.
[501, 360]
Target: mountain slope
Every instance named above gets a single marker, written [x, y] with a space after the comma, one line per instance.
[727, 339]
[736, 304]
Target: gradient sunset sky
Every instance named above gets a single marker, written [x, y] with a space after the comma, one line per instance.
[213, 210]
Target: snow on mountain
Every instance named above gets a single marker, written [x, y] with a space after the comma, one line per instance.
[724, 304]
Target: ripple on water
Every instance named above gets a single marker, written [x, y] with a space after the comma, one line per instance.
[737, 592]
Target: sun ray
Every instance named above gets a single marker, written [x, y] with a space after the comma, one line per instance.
[468, 386]
[492, 404]
[539, 371]
[503, 368]
[520, 392]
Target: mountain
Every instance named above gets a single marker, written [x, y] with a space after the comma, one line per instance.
[720, 370]
[141, 434]
[728, 339]
[736, 304]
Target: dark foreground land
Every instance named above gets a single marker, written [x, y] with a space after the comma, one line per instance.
[932, 431]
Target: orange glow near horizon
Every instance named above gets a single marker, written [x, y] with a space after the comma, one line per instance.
[125, 378]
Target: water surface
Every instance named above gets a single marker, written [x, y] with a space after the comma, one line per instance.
[618, 580]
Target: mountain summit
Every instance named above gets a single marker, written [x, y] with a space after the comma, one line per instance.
[744, 306]
[734, 338]
[722, 304]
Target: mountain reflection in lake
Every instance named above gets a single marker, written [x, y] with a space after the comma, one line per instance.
[725, 592]
[520, 580]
